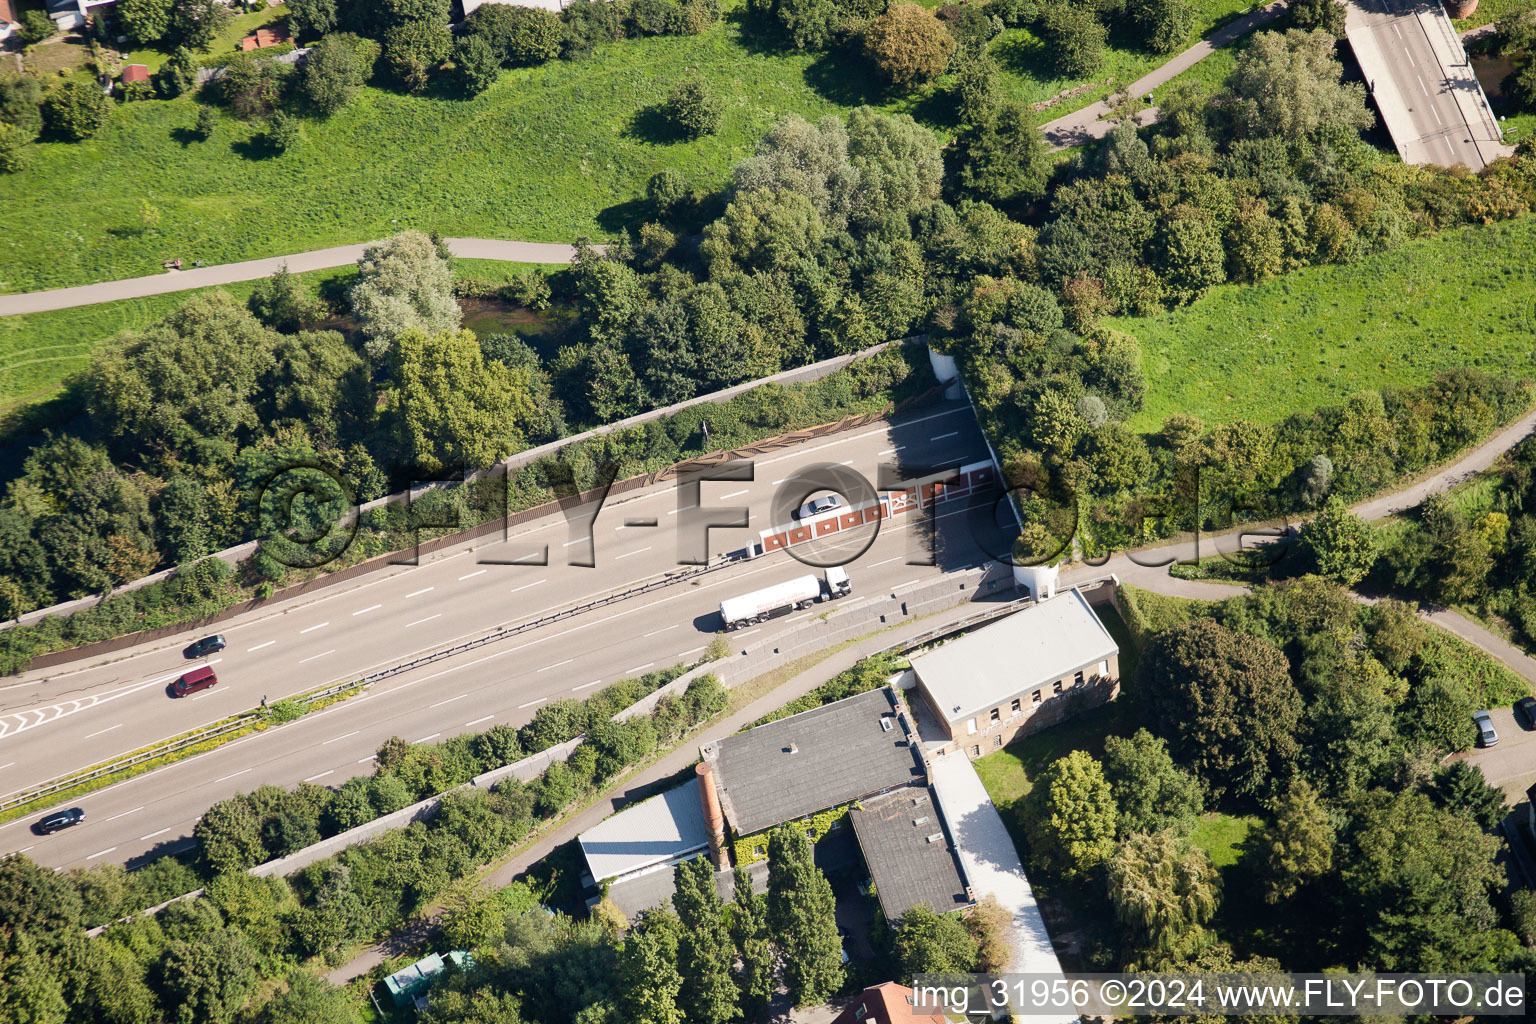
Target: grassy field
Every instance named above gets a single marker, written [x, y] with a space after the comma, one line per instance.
[1460, 299]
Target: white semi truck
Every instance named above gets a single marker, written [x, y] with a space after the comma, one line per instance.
[784, 597]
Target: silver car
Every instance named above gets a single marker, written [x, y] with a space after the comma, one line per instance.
[1487, 736]
[816, 506]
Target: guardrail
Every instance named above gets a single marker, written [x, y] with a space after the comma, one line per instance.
[166, 747]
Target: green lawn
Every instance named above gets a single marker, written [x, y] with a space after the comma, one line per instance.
[226, 42]
[1462, 298]
[1221, 836]
[1489, 11]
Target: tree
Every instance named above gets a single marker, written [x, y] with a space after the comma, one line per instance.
[206, 122]
[520, 36]
[1227, 703]
[1339, 544]
[415, 50]
[21, 104]
[403, 284]
[1165, 25]
[307, 1000]
[754, 949]
[454, 410]
[692, 109]
[284, 131]
[194, 23]
[1163, 891]
[1151, 791]
[475, 64]
[229, 836]
[930, 943]
[1438, 713]
[78, 109]
[1073, 815]
[209, 980]
[1327, 15]
[112, 989]
[1255, 247]
[146, 21]
[402, 12]
[311, 19]
[1193, 259]
[13, 148]
[1075, 38]
[1295, 846]
[802, 917]
[908, 44]
[333, 72]
[35, 27]
[704, 952]
[1289, 84]
[1001, 158]
[1461, 786]
[35, 900]
[649, 979]
[250, 86]
[282, 302]
[177, 76]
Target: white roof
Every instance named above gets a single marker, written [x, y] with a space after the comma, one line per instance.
[1037, 645]
[992, 867]
[652, 833]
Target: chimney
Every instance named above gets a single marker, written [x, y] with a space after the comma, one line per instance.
[714, 820]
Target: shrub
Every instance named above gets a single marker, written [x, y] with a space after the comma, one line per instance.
[417, 49]
[521, 36]
[284, 131]
[78, 109]
[908, 44]
[13, 157]
[692, 110]
[475, 64]
[35, 27]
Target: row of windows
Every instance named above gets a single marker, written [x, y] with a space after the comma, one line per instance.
[996, 714]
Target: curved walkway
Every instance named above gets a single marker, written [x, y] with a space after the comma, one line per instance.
[250, 270]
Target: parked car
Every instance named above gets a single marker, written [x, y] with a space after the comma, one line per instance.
[1487, 736]
[198, 679]
[207, 645]
[816, 506]
[59, 821]
[1525, 708]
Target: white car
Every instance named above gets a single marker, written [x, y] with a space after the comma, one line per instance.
[816, 506]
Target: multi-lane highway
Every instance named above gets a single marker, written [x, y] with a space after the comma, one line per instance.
[76, 715]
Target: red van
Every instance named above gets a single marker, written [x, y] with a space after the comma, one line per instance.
[198, 679]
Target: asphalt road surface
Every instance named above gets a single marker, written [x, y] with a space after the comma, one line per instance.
[81, 715]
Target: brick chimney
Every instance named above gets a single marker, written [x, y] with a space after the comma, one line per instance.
[714, 819]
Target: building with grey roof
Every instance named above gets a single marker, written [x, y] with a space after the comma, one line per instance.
[909, 853]
[819, 759]
[1018, 675]
[650, 836]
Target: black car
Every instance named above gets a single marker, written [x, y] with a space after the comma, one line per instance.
[1525, 708]
[59, 821]
[207, 645]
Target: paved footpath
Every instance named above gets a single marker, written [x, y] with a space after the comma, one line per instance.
[250, 270]
[1091, 122]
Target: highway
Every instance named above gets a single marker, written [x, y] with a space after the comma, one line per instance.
[78, 715]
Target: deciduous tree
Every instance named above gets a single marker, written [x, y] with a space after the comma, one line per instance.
[1072, 814]
[908, 44]
[929, 943]
[1339, 544]
[802, 914]
[1151, 791]
[77, 109]
[1295, 846]
[704, 952]
[1163, 891]
[403, 284]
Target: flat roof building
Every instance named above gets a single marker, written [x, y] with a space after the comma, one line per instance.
[650, 836]
[903, 839]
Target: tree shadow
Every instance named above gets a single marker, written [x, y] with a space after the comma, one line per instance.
[629, 214]
[187, 136]
[844, 77]
[758, 34]
[651, 124]
[257, 147]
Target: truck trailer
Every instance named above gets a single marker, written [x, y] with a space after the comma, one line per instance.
[788, 596]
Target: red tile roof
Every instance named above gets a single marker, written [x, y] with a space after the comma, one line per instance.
[263, 37]
[8, 11]
[133, 72]
[889, 1003]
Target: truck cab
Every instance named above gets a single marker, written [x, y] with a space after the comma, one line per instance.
[838, 583]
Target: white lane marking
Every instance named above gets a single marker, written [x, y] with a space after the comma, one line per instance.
[322, 775]
[557, 664]
[629, 553]
[573, 543]
[750, 632]
[231, 775]
[20, 721]
[448, 700]
[940, 437]
[1394, 29]
[531, 703]
[123, 814]
[24, 849]
[1423, 86]
[477, 721]
[890, 451]
[429, 736]
[637, 668]
[333, 739]
[1411, 62]
[423, 590]
[312, 657]
[152, 835]
[311, 629]
[778, 481]
[103, 732]
[6, 765]
[663, 629]
[472, 575]
[586, 686]
[101, 853]
[258, 647]
[365, 611]
[685, 654]
[733, 494]
[685, 508]
[364, 760]
[525, 586]
[418, 622]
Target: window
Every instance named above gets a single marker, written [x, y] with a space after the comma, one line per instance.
[997, 715]
[997, 741]
[758, 851]
[1077, 680]
[970, 726]
[837, 823]
[860, 1012]
[1016, 708]
[1104, 669]
[1056, 686]
[975, 751]
[1037, 698]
